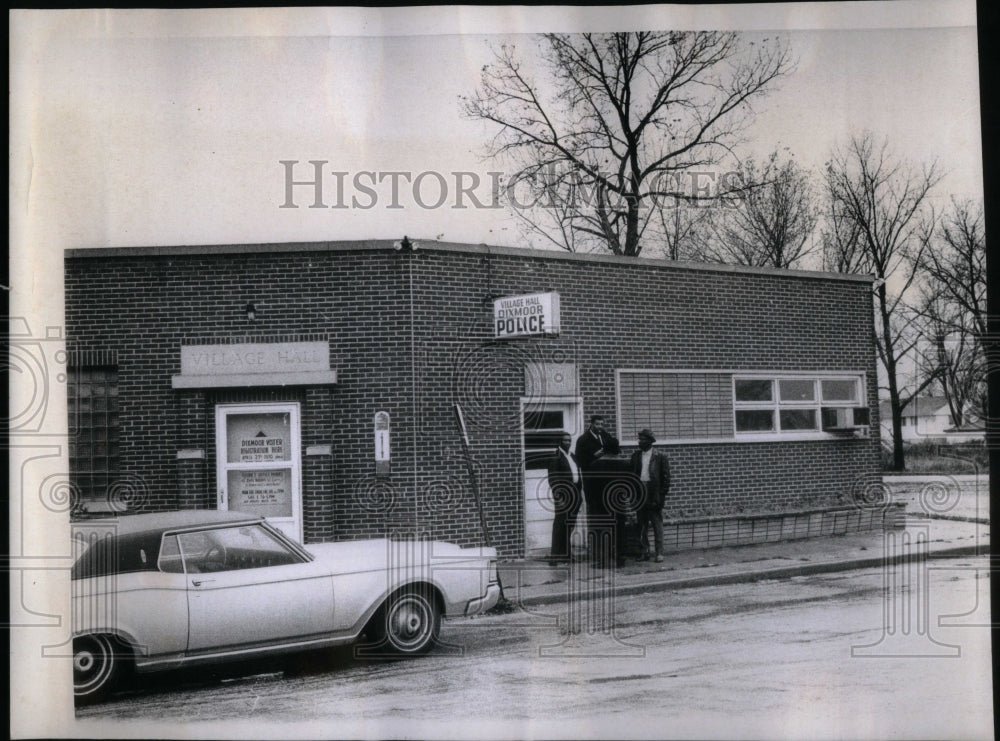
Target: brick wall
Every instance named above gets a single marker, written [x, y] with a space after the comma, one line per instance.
[615, 314]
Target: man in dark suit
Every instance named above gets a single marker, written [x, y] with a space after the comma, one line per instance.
[653, 470]
[591, 446]
[566, 485]
[594, 443]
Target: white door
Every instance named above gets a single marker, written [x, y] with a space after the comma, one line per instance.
[543, 424]
[259, 462]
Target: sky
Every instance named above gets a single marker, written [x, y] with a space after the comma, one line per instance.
[145, 129]
[158, 128]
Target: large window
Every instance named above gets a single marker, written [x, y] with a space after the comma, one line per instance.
[723, 405]
[94, 428]
[792, 405]
[676, 405]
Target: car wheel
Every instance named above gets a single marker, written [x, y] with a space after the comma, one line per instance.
[412, 622]
[96, 666]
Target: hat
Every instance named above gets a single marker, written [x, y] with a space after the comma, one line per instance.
[647, 433]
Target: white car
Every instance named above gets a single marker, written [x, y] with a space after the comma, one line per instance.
[159, 591]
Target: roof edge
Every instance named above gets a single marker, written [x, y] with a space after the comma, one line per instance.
[430, 245]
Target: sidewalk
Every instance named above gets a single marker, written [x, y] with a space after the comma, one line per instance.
[534, 582]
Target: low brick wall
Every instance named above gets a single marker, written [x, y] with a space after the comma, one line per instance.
[713, 532]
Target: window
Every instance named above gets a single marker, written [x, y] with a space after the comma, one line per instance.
[124, 554]
[840, 391]
[794, 405]
[170, 556]
[233, 549]
[94, 427]
[723, 405]
[543, 429]
[676, 405]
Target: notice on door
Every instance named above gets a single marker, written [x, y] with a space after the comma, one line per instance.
[262, 449]
[263, 492]
[258, 438]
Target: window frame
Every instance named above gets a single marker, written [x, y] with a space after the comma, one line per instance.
[537, 452]
[776, 404]
[628, 436]
[94, 449]
[858, 377]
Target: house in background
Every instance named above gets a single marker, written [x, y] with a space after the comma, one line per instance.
[928, 419]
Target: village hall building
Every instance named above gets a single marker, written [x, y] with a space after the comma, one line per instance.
[363, 389]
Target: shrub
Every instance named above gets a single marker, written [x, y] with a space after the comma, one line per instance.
[929, 456]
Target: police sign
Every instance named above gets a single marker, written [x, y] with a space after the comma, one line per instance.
[520, 316]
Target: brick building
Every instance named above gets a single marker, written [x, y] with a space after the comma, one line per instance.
[317, 383]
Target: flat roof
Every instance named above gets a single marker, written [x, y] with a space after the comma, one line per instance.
[430, 245]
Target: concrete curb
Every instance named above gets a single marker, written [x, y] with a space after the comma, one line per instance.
[950, 518]
[921, 478]
[743, 576]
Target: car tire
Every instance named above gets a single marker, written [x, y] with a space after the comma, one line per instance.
[411, 622]
[97, 665]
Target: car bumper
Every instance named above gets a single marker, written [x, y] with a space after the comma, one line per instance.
[484, 603]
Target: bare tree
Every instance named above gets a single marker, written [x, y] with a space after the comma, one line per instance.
[955, 266]
[954, 306]
[682, 230]
[619, 118]
[841, 243]
[772, 220]
[955, 359]
[547, 212]
[879, 208]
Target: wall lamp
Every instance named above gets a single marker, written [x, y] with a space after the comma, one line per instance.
[405, 245]
[251, 312]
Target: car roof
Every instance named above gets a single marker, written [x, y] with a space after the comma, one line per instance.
[161, 521]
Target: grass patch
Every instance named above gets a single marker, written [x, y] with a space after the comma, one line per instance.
[931, 458]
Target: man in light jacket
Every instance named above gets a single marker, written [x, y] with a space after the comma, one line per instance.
[653, 470]
[566, 485]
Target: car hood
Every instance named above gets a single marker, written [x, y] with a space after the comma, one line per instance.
[369, 555]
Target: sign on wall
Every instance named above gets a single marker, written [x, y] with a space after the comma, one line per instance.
[525, 316]
[255, 364]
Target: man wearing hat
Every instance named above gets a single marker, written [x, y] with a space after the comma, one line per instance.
[653, 470]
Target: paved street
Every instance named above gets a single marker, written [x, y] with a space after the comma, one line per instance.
[767, 659]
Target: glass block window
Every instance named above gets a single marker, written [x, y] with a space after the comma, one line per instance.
[676, 405]
[94, 429]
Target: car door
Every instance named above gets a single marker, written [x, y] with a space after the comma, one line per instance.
[248, 588]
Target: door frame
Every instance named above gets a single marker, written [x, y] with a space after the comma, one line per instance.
[291, 526]
[526, 402]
